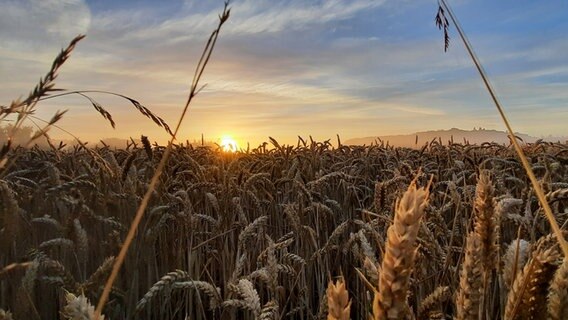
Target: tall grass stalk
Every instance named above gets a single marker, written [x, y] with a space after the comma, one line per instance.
[194, 89]
[537, 188]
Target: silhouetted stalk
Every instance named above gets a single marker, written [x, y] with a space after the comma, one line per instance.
[205, 56]
[538, 190]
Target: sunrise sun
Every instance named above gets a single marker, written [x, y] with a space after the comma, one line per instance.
[228, 144]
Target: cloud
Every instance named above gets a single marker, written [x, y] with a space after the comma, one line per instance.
[43, 21]
[32, 32]
[262, 17]
[273, 16]
[357, 68]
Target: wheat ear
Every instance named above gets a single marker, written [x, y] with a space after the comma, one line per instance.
[339, 305]
[558, 295]
[486, 225]
[433, 301]
[527, 297]
[469, 294]
[486, 222]
[400, 250]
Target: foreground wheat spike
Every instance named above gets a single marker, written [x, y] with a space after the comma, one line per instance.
[486, 222]
[390, 301]
[527, 297]
[469, 294]
[79, 308]
[486, 225]
[558, 295]
[339, 305]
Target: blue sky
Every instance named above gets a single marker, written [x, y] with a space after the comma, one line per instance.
[284, 68]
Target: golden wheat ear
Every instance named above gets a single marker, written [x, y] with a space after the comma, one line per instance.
[486, 222]
[338, 303]
[400, 250]
[469, 295]
[527, 297]
[558, 295]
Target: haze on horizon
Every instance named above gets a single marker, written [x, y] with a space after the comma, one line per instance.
[284, 68]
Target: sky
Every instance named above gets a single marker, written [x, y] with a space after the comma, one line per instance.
[284, 68]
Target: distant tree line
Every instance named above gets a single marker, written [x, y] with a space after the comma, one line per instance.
[19, 137]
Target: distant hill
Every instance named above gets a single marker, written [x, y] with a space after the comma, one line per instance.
[458, 135]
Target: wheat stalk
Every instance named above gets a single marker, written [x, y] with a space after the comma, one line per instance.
[160, 168]
[535, 184]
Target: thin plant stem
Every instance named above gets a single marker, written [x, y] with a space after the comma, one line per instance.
[163, 162]
[537, 188]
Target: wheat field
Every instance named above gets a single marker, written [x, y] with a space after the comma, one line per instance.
[264, 234]
[313, 230]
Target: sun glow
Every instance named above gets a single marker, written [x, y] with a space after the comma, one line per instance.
[229, 144]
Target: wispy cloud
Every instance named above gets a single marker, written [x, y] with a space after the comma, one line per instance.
[46, 20]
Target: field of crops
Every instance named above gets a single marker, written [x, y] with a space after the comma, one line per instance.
[260, 234]
[305, 231]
